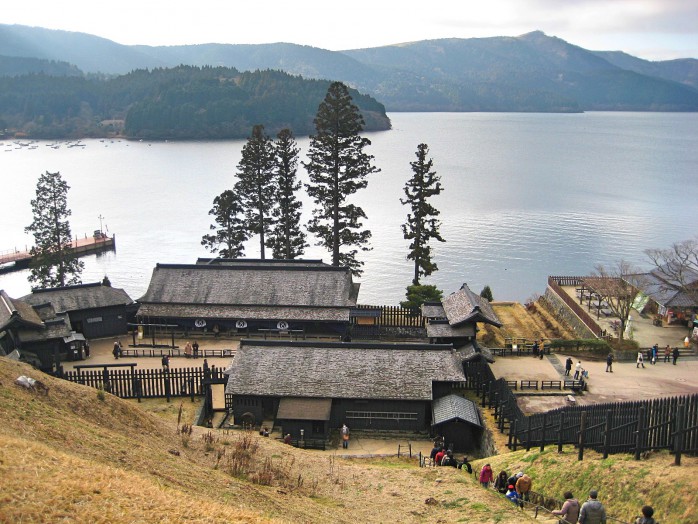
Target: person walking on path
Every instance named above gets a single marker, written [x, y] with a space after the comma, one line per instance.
[647, 512]
[675, 355]
[195, 348]
[609, 363]
[640, 360]
[570, 509]
[166, 362]
[345, 436]
[117, 350]
[592, 511]
[568, 366]
[486, 476]
[655, 354]
[577, 369]
[512, 495]
[523, 486]
[667, 353]
[500, 483]
[188, 350]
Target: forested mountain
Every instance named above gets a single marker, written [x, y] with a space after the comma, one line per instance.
[179, 103]
[532, 72]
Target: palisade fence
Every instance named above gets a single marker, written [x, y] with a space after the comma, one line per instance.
[374, 321]
[146, 383]
[622, 427]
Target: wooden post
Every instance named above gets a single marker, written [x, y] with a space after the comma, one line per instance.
[501, 416]
[559, 431]
[582, 430]
[607, 434]
[191, 388]
[512, 435]
[173, 344]
[678, 436]
[542, 434]
[484, 392]
[638, 432]
[166, 378]
[528, 433]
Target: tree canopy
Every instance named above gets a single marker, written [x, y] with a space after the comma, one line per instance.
[230, 230]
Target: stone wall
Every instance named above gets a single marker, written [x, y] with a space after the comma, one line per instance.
[560, 309]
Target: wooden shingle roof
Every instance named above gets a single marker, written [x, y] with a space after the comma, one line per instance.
[341, 370]
[453, 407]
[466, 306]
[80, 297]
[317, 314]
[442, 329]
[15, 311]
[252, 283]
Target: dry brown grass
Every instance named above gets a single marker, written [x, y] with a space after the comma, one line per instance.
[75, 457]
[521, 322]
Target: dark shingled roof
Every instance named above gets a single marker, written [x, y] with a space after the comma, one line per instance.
[474, 351]
[442, 329]
[341, 370]
[304, 409]
[453, 407]
[14, 310]
[252, 283]
[664, 292]
[319, 314]
[433, 310]
[77, 298]
[465, 306]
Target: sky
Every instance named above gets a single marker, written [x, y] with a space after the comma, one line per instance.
[650, 29]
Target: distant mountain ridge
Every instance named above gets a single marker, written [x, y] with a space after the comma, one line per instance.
[531, 72]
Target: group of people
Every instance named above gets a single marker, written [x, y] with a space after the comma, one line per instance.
[440, 456]
[191, 350]
[517, 487]
[653, 355]
[579, 372]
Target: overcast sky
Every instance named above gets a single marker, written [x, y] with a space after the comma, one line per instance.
[651, 29]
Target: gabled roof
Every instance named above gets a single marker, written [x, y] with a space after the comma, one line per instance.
[465, 306]
[252, 283]
[14, 311]
[453, 407]
[662, 292]
[341, 370]
[473, 351]
[433, 310]
[442, 329]
[76, 298]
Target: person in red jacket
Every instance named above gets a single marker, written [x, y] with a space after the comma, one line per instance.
[439, 457]
[486, 476]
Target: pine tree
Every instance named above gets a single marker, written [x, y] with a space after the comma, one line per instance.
[422, 225]
[337, 169]
[486, 293]
[286, 240]
[255, 185]
[54, 262]
[230, 229]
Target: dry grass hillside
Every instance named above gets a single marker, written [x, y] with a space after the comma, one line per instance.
[79, 455]
[519, 321]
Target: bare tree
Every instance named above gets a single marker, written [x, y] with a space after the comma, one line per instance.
[677, 267]
[613, 285]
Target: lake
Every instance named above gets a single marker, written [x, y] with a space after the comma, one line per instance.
[526, 196]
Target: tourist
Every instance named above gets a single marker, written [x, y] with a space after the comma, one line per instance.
[434, 451]
[568, 366]
[486, 476]
[500, 483]
[655, 353]
[570, 509]
[195, 348]
[512, 495]
[166, 362]
[534, 348]
[188, 350]
[207, 371]
[675, 355]
[640, 360]
[592, 511]
[667, 353]
[87, 349]
[609, 363]
[647, 512]
[577, 370]
[117, 350]
[287, 438]
[448, 459]
[439, 457]
[345, 436]
[523, 486]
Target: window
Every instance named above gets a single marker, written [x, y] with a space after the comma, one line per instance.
[94, 320]
[382, 415]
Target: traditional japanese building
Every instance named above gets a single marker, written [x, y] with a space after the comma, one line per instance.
[95, 310]
[458, 421]
[317, 386]
[248, 297]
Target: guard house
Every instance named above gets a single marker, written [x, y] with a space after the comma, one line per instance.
[663, 295]
[95, 310]
[245, 297]
[458, 420]
[454, 319]
[318, 386]
[42, 337]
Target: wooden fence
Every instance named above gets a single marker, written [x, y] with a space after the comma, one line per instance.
[554, 284]
[146, 383]
[622, 427]
[396, 316]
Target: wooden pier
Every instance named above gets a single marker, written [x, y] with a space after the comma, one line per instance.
[14, 260]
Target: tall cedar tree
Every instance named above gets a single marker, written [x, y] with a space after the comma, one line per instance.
[230, 228]
[337, 169]
[54, 262]
[255, 186]
[422, 225]
[286, 240]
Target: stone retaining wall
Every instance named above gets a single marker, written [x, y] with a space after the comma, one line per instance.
[560, 309]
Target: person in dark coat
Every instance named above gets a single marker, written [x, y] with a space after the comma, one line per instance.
[609, 363]
[647, 512]
[568, 366]
[195, 347]
[501, 483]
[675, 355]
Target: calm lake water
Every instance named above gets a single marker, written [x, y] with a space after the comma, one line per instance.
[526, 196]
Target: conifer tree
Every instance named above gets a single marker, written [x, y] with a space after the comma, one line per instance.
[54, 262]
[486, 293]
[337, 168]
[255, 186]
[422, 224]
[230, 228]
[286, 240]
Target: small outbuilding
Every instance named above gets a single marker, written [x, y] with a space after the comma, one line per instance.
[458, 420]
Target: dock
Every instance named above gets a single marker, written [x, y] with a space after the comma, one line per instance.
[15, 260]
